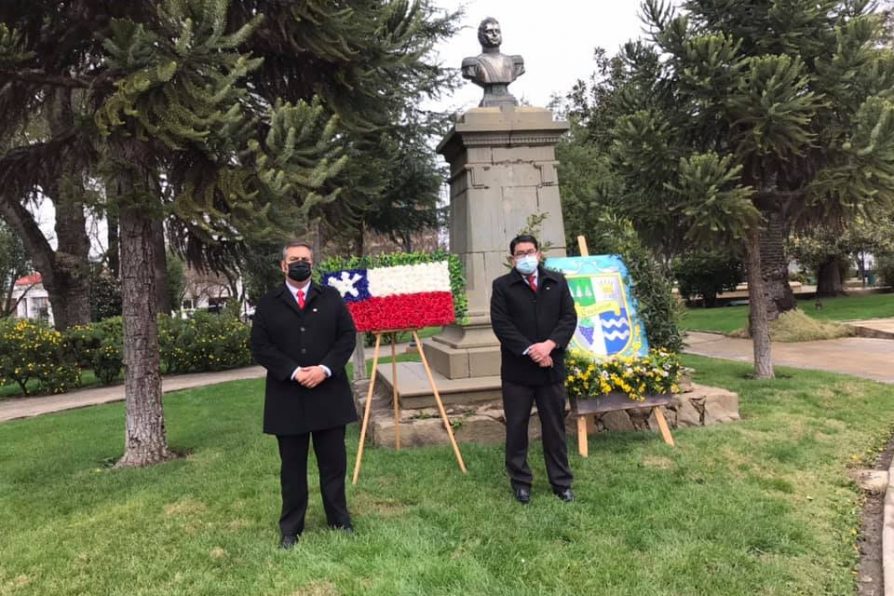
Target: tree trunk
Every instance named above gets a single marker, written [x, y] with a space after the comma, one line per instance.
[162, 291]
[774, 266]
[828, 278]
[112, 253]
[60, 276]
[758, 321]
[70, 295]
[65, 273]
[145, 438]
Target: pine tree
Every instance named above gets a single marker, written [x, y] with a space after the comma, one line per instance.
[744, 117]
[231, 120]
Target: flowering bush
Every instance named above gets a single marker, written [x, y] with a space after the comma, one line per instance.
[659, 372]
[204, 342]
[33, 351]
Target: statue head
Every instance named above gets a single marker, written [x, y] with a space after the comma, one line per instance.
[489, 33]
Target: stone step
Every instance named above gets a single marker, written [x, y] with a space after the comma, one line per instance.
[414, 389]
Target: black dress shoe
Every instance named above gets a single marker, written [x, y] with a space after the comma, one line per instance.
[346, 528]
[288, 541]
[564, 494]
[523, 495]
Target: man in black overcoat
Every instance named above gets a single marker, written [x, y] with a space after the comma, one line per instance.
[533, 316]
[303, 334]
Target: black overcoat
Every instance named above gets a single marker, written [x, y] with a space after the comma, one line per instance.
[284, 337]
[521, 317]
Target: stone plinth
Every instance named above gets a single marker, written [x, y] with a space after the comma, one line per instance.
[502, 171]
[477, 422]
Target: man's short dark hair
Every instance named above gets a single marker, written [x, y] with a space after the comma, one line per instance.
[295, 244]
[520, 239]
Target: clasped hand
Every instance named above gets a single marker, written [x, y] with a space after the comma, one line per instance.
[540, 353]
[310, 376]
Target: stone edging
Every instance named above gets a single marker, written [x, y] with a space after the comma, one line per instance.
[888, 535]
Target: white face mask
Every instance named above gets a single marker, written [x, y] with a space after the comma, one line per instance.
[526, 265]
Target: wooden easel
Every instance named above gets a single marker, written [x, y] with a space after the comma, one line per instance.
[396, 401]
[586, 419]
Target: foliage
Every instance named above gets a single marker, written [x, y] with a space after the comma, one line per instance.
[705, 274]
[733, 114]
[814, 247]
[105, 294]
[33, 351]
[176, 270]
[457, 278]
[637, 376]
[204, 342]
[885, 268]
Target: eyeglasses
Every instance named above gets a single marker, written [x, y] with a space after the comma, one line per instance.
[527, 253]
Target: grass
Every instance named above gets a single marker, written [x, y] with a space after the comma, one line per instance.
[727, 319]
[762, 506]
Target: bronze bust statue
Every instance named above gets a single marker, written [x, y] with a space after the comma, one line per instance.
[492, 70]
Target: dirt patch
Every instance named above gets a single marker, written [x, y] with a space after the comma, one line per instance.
[870, 577]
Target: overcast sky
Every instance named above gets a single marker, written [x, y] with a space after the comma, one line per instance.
[555, 37]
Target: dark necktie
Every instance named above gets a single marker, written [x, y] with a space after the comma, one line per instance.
[532, 281]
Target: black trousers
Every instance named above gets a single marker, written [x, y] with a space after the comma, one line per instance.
[332, 462]
[517, 403]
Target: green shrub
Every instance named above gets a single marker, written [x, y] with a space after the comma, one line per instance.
[107, 360]
[31, 351]
[81, 341]
[705, 274]
[885, 270]
[205, 342]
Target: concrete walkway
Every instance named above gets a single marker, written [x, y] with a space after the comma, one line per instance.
[870, 358]
[26, 407]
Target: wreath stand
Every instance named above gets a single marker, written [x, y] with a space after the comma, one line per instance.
[396, 401]
[586, 412]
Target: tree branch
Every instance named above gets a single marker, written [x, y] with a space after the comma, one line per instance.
[36, 76]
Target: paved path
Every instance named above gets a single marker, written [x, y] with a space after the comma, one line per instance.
[13, 408]
[865, 357]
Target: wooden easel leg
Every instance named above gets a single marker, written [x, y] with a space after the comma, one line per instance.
[582, 447]
[662, 425]
[431, 380]
[367, 408]
[395, 399]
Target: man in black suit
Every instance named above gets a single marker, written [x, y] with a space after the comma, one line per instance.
[533, 316]
[303, 334]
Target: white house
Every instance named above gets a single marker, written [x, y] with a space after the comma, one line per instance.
[33, 300]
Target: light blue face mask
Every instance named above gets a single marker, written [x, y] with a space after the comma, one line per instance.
[527, 264]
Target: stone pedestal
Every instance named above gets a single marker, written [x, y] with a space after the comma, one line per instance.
[502, 171]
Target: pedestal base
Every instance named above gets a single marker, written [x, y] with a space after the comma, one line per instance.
[415, 391]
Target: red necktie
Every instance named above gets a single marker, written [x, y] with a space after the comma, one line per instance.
[532, 281]
[300, 295]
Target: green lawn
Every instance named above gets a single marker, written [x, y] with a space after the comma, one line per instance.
[725, 319]
[762, 506]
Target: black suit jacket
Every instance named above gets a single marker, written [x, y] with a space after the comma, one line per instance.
[521, 318]
[284, 337]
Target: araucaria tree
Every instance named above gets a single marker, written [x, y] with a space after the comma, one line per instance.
[743, 119]
[221, 116]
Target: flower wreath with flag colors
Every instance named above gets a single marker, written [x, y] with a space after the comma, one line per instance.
[400, 290]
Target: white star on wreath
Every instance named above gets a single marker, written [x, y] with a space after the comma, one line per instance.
[346, 284]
